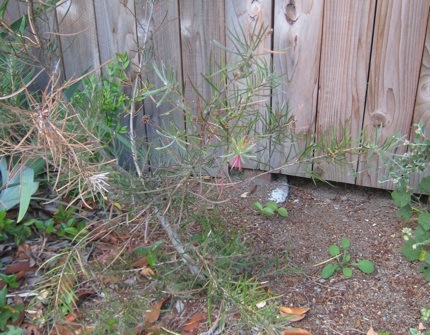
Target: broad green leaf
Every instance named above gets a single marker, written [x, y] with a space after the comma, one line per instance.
[12, 330]
[273, 205]
[257, 205]
[401, 198]
[424, 185]
[267, 211]
[366, 266]
[409, 252]
[283, 212]
[334, 250]
[424, 220]
[345, 243]
[346, 258]
[28, 187]
[329, 270]
[9, 197]
[405, 212]
[425, 270]
[422, 256]
[347, 272]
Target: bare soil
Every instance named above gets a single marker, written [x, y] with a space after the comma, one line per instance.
[320, 215]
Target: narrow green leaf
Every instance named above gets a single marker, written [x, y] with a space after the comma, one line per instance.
[3, 293]
[28, 187]
[366, 266]
[329, 270]
[4, 172]
[334, 250]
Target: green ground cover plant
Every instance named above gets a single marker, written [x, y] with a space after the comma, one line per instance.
[270, 208]
[341, 261]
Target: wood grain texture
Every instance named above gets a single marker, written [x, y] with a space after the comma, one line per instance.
[202, 22]
[79, 45]
[400, 30]
[345, 54]
[159, 42]
[244, 20]
[422, 102]
[297, 44]
[14, 11]
[116, 28]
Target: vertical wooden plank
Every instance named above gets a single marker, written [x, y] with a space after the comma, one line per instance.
[250, 17]
[396, 58]
[159, 45]
[297, 44]
[345, 54]
[116, 28]
[202, 22]
[13, 12]
[78, 37]
[422, 102]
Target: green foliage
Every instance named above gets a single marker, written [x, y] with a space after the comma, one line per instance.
[17, 186]
[8, 312]
[11, 227]
[107, 97]
[69, 226]
[270, 209]
[411, 209]
[150, 252]
[343, 261]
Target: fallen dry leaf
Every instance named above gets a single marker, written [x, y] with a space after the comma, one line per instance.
[293, 310]
[296, 317]
[140, 263]
[296, 331]
[19, 266]
[371, 331]
[193, 322]
[153, 313]
[147, 272]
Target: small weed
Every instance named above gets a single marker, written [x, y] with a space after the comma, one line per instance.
[343, 258]
[270, 208]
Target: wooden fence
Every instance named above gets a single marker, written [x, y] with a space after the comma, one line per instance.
[352, 63]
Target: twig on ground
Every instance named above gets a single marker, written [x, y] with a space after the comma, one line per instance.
[178, 245]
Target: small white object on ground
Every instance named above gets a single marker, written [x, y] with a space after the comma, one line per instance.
[279, 195]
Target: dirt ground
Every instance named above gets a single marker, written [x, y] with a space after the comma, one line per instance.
[389, 300]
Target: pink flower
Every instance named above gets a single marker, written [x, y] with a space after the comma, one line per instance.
[236, 163]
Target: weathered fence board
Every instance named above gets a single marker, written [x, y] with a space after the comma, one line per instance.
[78, 37]
[422, 103]
[202, 22]
[360, 65]
[251, 18]
[400, 28]
[345, 54]
[116, 28]
[297, 43]
[161, 36]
